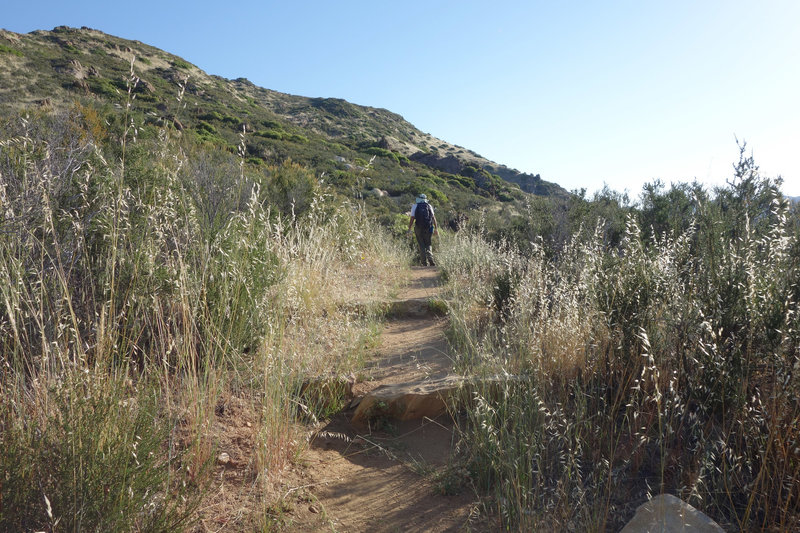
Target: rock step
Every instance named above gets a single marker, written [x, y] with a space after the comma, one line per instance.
[408, 308]
[416, 307]
[407, 401]
[415, 400]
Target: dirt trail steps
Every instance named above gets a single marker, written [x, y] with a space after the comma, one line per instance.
[391, 468]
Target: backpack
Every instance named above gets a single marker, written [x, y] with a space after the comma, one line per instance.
[423, 215]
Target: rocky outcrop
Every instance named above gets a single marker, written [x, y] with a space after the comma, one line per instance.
[449, 163]
[667, 514]
[145, 86]
[394, 144]
[72, 68]
[10, 36]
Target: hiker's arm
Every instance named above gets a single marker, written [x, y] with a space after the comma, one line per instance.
[435, 224]
[410, 223]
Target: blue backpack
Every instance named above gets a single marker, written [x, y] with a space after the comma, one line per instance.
[423, 215]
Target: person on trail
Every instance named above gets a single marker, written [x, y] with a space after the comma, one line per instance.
[425, 227]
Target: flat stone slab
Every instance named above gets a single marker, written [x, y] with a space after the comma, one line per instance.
[416, 307]
[410, 307]
[408, 401]
[428, 398]
[667, 514]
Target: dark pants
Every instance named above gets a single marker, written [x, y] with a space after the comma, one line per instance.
[424, 241]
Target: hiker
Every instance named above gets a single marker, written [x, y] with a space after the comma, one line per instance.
[425, 227]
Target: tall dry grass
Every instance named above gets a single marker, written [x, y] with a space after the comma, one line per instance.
[667, 364]
[139, 290]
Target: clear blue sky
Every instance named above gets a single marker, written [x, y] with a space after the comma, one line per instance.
[583, 93]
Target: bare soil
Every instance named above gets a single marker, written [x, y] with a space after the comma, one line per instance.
[389, 476]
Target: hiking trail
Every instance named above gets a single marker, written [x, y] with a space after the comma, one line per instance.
[384, 466]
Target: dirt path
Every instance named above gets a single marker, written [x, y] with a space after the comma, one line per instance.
[388, 475]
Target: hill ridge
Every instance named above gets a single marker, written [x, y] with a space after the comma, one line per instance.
[53, 68]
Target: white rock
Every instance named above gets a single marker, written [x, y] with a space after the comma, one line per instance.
[667, 514]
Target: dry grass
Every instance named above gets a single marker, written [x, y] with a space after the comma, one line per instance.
[663, 366]
[117, 292]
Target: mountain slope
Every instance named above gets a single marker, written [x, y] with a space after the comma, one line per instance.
[360, 150]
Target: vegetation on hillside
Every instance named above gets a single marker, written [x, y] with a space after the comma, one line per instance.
[332, 137]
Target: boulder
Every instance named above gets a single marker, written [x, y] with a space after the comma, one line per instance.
[429, 398]
[667, 514]
[408, 401]
[145, 86]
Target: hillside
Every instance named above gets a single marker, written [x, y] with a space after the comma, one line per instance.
[360, 150]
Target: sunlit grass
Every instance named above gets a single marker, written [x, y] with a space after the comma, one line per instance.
[663, 366]
[128, 315]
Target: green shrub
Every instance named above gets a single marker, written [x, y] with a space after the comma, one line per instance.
[8, 50]
[505, 197]
[211, 115]
[181, 64]
[296, 138]
[234, 121]
[463, 182]
[343, 179]
[91, 461]
[269, 134]
[336, 107]
[104, 87]
[290, 188]
[382, 152]
[419, 186]
[272, 124]
[203, 126]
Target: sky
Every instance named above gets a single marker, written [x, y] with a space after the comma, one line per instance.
[586, 94]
